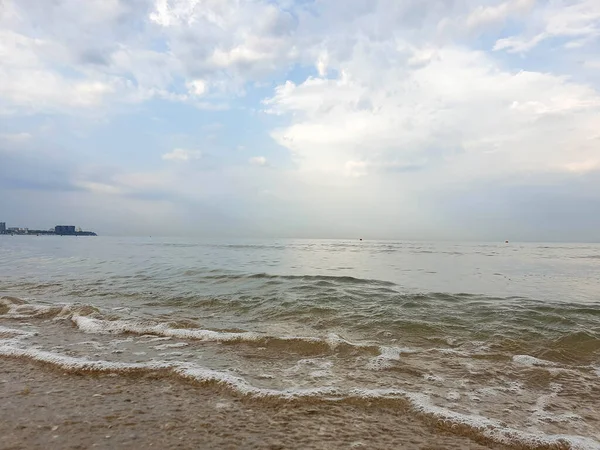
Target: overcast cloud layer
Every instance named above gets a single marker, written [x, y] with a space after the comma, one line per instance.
[410, 119]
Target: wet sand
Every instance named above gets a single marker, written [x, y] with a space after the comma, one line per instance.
[46, 408]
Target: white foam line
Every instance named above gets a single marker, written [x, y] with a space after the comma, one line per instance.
[386, 357]
[72, 363]
[531, 361]
[188, 371]
[495, 431]
[488, 428]
[394, 353]
[334, 340]
[31, 311]
[242, 386]
[91, 325]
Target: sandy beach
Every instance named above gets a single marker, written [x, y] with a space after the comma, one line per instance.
[43, 407]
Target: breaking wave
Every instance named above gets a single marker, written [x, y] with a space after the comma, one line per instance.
[471, 425]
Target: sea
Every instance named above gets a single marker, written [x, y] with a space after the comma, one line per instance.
[500, 341]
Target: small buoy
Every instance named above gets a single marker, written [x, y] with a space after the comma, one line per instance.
[361, 239]
[506, 242]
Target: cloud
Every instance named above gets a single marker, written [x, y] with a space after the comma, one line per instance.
[15, 137]
[356, 168]
[25, 82]
[459, 112]
[33, 170]
[483, 16]
[108, 53]
[576, 22]
[182, 155]
[259, 161]
[372, 110]
[197, 87]
[99, 188]
[56, 67]
[518, 44]
[243, 40]
[584, 166]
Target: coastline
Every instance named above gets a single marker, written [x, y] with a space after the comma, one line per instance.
[45, 407]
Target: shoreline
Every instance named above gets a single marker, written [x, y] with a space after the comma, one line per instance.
[45, 407]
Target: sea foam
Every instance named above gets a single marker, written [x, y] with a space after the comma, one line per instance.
[420, 403]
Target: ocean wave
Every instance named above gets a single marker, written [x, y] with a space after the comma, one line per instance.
[100, 326]
[90, 320]
[531, 361]
[496, 431]
[299, 344]
[387, 357]
[564, 349]
[11, 334]
[16, 308]
[311, 278]
[471, 425]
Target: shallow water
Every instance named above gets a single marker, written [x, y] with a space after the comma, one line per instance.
[500, 341]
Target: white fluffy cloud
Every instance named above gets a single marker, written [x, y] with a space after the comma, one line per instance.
[69, 55]
[576, 22]
[182, 155]
[460, 112]
[197, 87]
[486, 15]
[245, 40]
[26, 81]
[61, 55]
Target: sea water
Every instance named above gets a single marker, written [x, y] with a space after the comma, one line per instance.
[500, 339]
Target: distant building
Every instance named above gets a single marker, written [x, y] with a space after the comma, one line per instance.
[64, 230]
[17, 230]
[60, 230]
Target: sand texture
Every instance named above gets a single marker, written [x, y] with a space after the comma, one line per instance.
[45, 408]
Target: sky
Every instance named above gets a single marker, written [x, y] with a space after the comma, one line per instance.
[379, 119]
